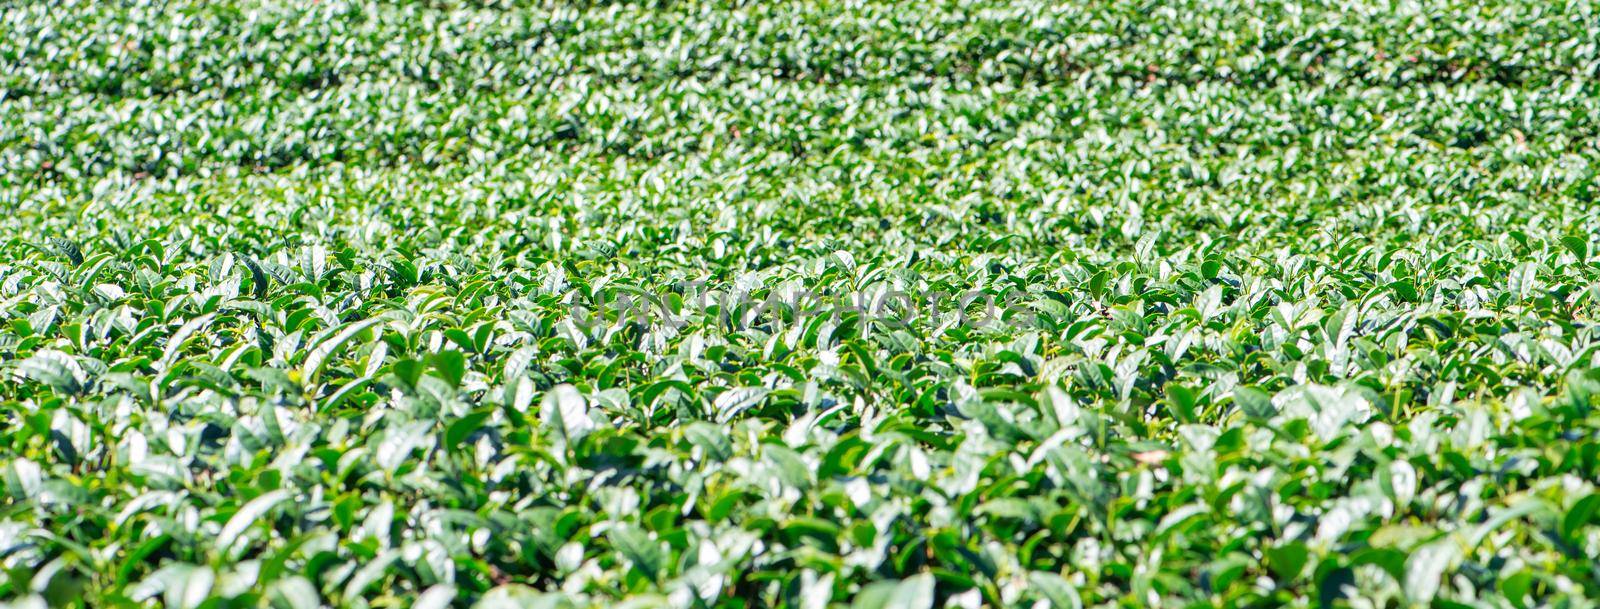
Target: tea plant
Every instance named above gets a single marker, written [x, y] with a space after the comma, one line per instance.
[725, 304]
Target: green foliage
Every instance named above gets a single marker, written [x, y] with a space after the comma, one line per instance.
[803, 304]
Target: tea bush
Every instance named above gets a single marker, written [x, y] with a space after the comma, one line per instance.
[723, 304]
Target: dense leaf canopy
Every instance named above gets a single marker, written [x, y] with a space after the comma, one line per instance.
[804, 304]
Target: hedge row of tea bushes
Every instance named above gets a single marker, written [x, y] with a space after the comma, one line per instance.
[700, 304]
